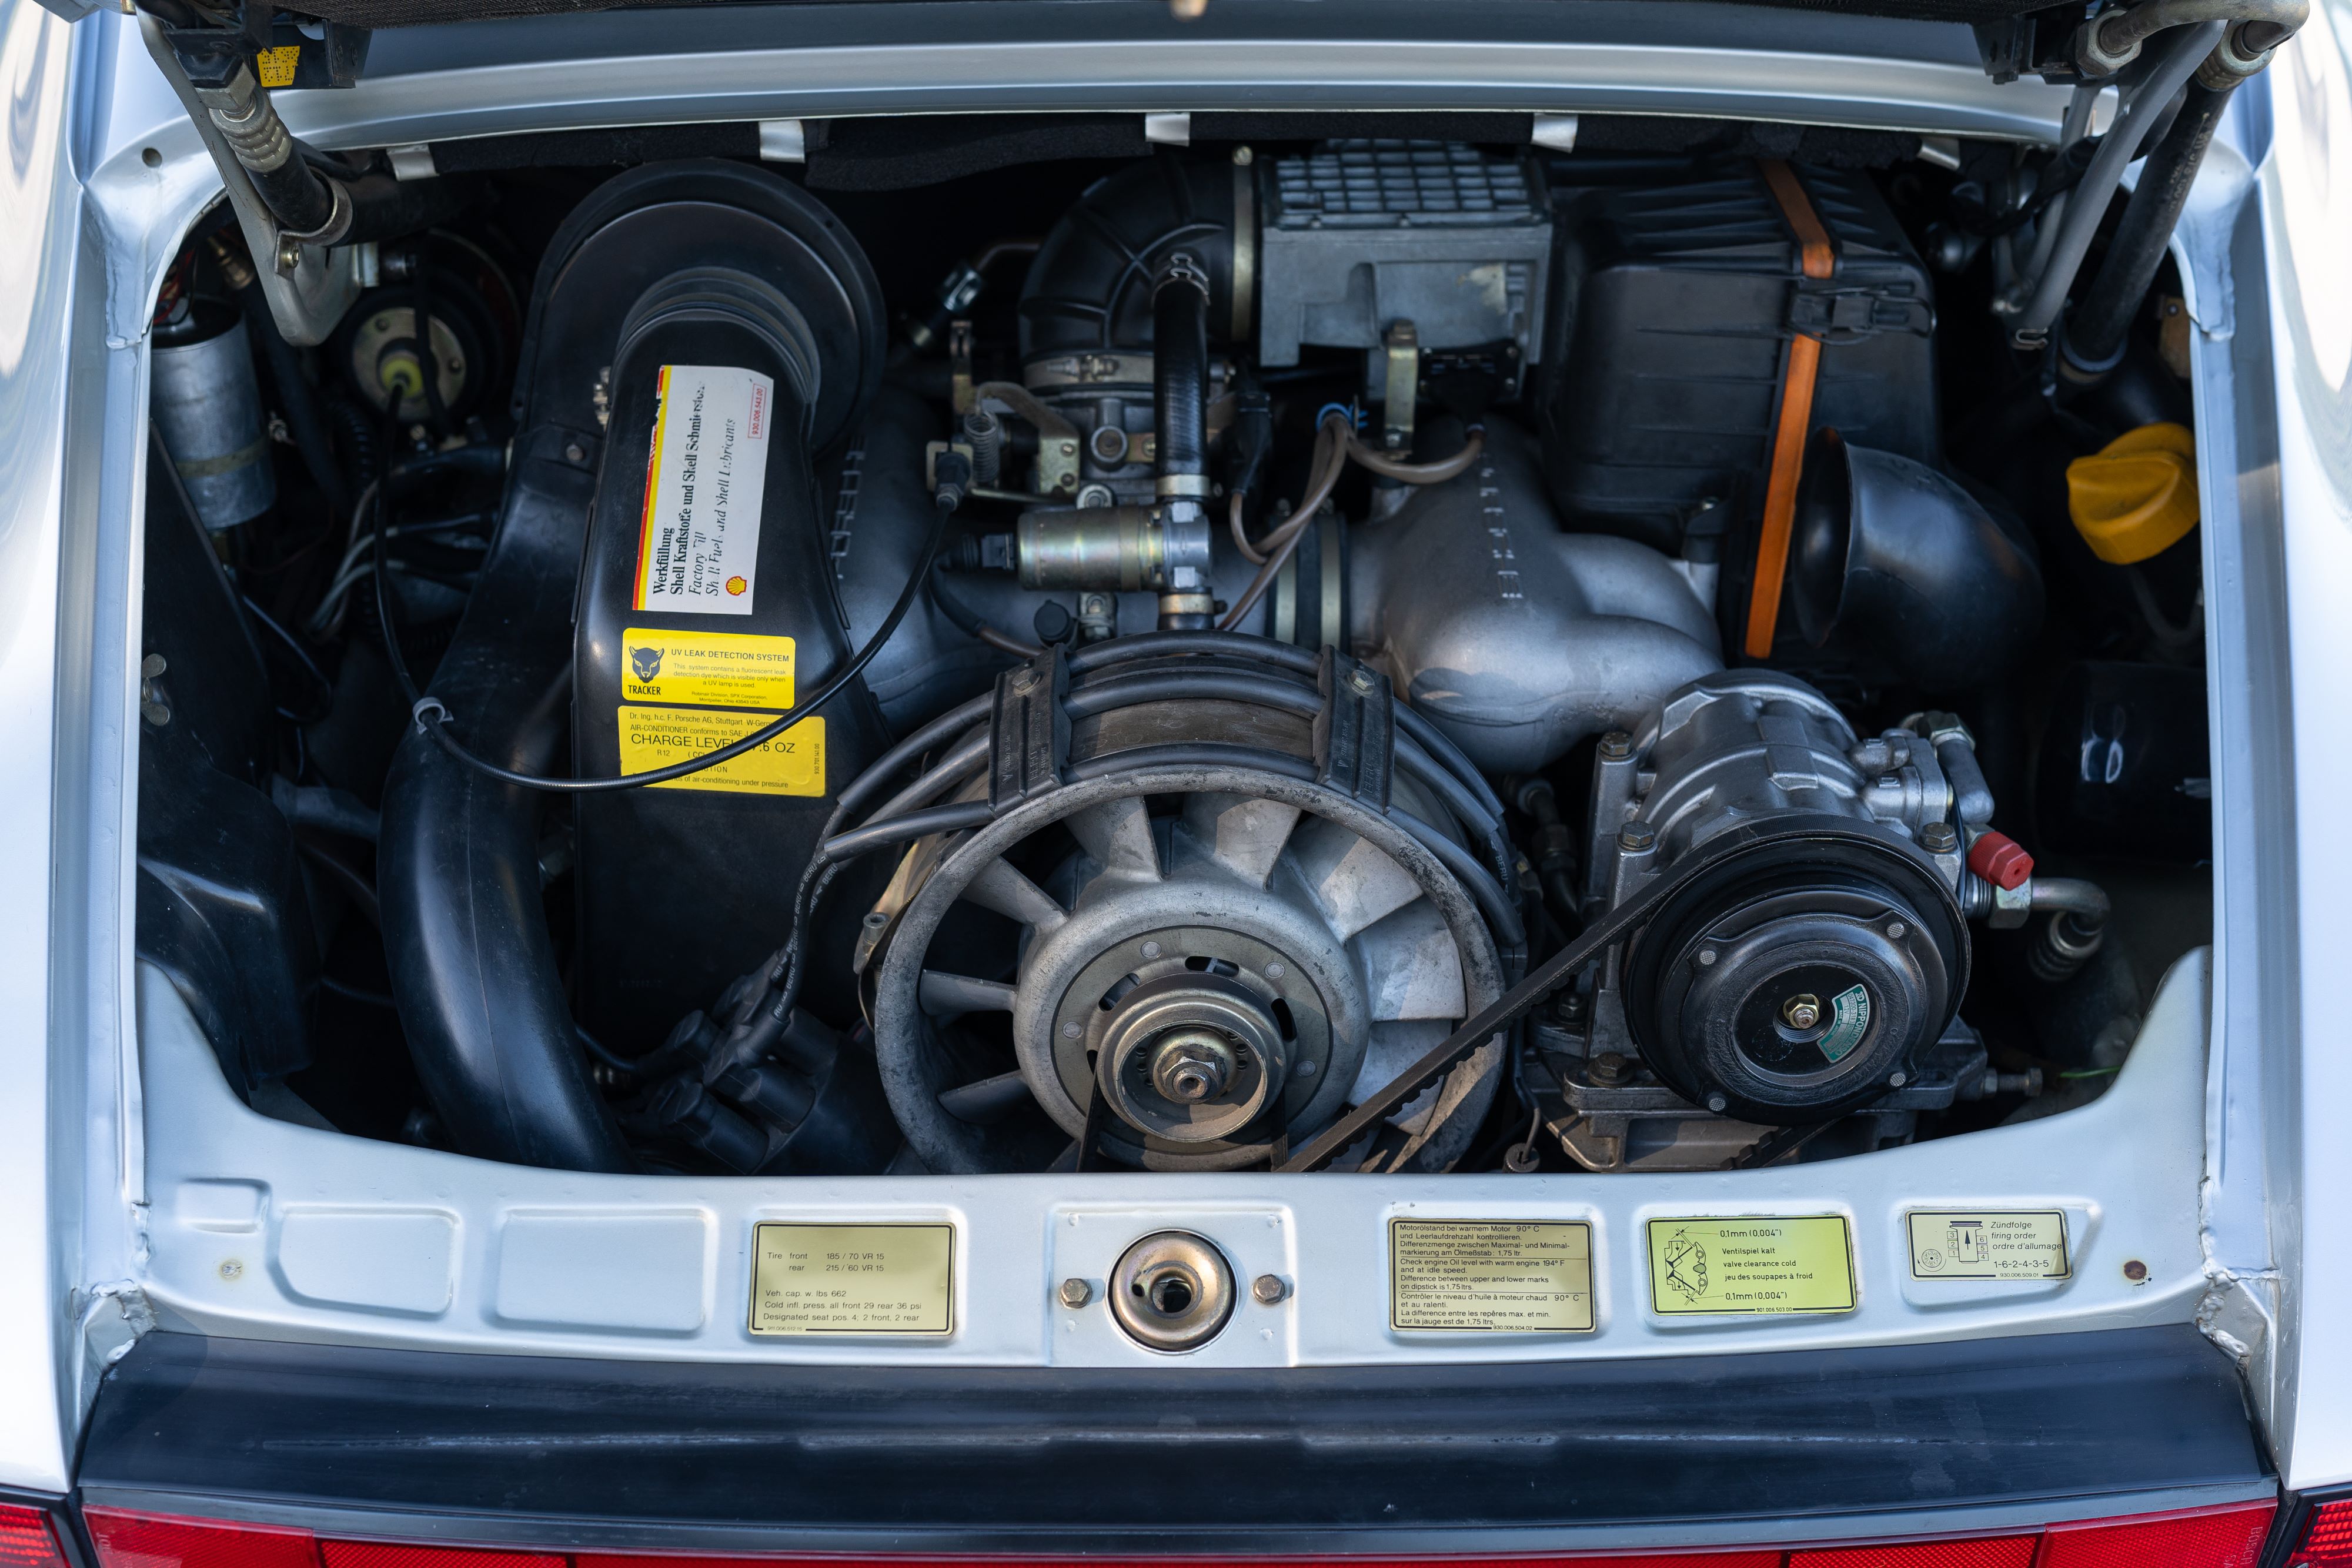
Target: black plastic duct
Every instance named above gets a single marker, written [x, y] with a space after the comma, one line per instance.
[1900, 558]
[1092, 285]
[473, 969]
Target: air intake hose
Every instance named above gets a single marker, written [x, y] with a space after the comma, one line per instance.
[473, 969]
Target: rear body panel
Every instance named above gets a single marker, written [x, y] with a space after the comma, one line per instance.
[1932, 1408]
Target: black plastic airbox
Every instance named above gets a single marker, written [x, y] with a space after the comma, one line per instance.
[1673, 303]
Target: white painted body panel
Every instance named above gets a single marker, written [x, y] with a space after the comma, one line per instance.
[136, 1180]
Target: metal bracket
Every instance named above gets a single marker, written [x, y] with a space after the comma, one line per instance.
[1356, 731]
[1403, 347]
[309, 298]
[1029, 730]
[961, 396]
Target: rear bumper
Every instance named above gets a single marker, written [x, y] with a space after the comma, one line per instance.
[1910, 1440]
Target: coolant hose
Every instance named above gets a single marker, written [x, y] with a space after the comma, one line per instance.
[1180, 370]
[474, 974]
[2093, 342]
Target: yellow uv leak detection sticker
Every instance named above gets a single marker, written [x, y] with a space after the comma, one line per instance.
[791, 763]
[707, 669]
[1988, 1244]
[276, 68]
[1797, 1263]
[1495, 1276]
[852, 1278]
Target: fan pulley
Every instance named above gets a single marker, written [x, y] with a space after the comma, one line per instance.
[1227, 893]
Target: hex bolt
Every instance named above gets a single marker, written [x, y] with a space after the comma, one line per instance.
[1268, 1289]
[1637, 837]
[1076, 1293]
[1616, 746]
[1802, 1011]
[1609, 1069]
[1938, 839]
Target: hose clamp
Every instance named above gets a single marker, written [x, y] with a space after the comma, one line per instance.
[1182, 486]
[1182, 269]
[339, 218]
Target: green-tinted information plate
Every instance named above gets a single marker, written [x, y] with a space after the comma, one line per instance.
[1799, 1264]
[1988, 1244]
[1499, 1276]
[852, 1278]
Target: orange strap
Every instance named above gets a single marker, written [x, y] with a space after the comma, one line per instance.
[1796, 417]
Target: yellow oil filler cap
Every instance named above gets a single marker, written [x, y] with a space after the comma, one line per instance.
[2137, 496]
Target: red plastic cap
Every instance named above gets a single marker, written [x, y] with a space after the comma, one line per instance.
[2000, 860]
[26, 1541]
[2327, 1539]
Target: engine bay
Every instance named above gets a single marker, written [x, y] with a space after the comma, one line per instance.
[1391, 656]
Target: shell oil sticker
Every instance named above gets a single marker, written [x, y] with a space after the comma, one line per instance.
[1796, 1263]
[706, 669]
[699, 542]
[791, 763]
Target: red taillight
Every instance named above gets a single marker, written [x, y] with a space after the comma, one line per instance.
[26, 1541]
[2211, 1538]
[153, 1540]
[2326, 1539]
[384, 1554]
[1988, 1551]
[1733, 1557]
[2215, 1538]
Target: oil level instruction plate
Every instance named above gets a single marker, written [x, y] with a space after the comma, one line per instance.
[791, 763]
[1771, 1263]
[1987, 1244]
[852, 1278]
[706, 669]
[1495, 1276]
